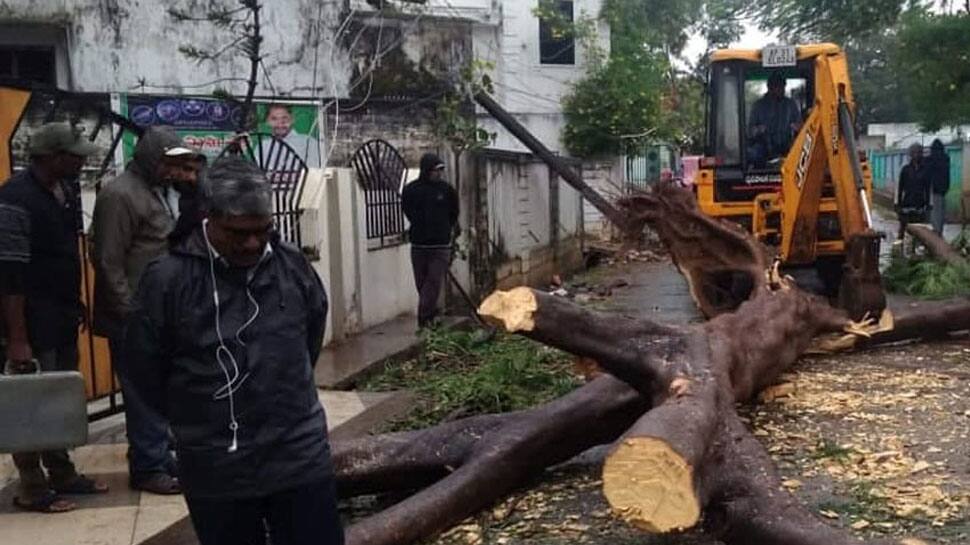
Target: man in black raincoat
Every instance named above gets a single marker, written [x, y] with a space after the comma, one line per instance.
[225, 332]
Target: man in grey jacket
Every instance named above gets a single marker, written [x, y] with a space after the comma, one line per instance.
[133, 216]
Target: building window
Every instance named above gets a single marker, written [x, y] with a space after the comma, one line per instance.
[34, 64]
[554, 46]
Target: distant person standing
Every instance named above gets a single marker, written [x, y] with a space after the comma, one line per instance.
[134, 215]
[431, 205]
[913, 195]
[938, 178]
[279, 117]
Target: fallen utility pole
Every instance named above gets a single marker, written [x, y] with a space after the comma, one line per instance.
[554, 161]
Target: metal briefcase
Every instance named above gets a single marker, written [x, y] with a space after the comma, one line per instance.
[42, 411]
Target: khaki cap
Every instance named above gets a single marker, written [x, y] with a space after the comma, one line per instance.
[53, 138]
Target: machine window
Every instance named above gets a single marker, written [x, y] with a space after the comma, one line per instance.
[775, 106]
[728, 121]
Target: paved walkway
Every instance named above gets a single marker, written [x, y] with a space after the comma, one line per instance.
[342, 364]
[127, 517]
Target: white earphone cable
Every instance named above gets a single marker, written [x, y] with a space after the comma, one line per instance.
[224, 356]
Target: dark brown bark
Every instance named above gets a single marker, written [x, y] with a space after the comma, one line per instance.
[504, 458]
[409, 460]
[936, 245]
[723, 265]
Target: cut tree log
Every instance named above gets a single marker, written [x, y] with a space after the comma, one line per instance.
[936, 245]
[688, 459]
[679, 459]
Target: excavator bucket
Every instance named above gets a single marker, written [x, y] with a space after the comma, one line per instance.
[861, 291]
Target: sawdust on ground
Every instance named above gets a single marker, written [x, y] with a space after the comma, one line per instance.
[874, 442]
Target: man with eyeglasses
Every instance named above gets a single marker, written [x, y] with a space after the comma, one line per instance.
[223, 339]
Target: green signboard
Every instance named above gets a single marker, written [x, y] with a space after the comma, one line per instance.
[208, 124]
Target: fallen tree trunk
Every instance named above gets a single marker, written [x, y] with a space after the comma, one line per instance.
[687, 459]
[936, 245]
[501, 460]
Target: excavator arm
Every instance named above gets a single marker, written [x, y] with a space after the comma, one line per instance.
[825, 152]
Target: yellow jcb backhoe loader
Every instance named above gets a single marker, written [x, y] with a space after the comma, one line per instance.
[782, 161]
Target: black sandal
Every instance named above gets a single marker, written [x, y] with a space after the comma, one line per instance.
[158, 483]
[48, 503]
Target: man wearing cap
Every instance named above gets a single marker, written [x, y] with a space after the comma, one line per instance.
[133, 217]
[431, 206]
[40, 278]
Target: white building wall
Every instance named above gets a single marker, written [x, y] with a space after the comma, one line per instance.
[116, 45]
[366, 286]
[506, 33]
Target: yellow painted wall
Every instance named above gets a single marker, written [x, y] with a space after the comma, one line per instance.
[12, 104]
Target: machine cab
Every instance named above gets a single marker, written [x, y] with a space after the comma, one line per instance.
[757, 102]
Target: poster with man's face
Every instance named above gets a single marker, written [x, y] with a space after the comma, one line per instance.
[208, 124]
[295, 124]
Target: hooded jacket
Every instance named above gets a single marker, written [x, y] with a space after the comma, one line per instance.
[172, 344]
[938, 168]
[431, 207]
[133, 216]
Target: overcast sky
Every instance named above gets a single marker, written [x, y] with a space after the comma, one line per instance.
[753, 38]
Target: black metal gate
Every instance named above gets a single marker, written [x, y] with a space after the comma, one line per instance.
[380, 172]
[287, 173]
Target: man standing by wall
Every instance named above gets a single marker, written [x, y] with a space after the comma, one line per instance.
[223, 339]
[133, 216]
[40, 278]
[431, 206]
[938, 177]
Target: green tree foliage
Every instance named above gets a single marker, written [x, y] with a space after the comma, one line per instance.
[878, 89]
[641, 92]
[614, 107]
[835, 20]
[934, 65]
[868, 31]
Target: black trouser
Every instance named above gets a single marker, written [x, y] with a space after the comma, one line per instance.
[306, 515]
[430, 268]
[34, 484]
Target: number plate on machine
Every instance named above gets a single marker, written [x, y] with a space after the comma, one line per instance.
[779, 55]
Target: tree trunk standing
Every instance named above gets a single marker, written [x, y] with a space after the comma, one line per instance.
[252, 49]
